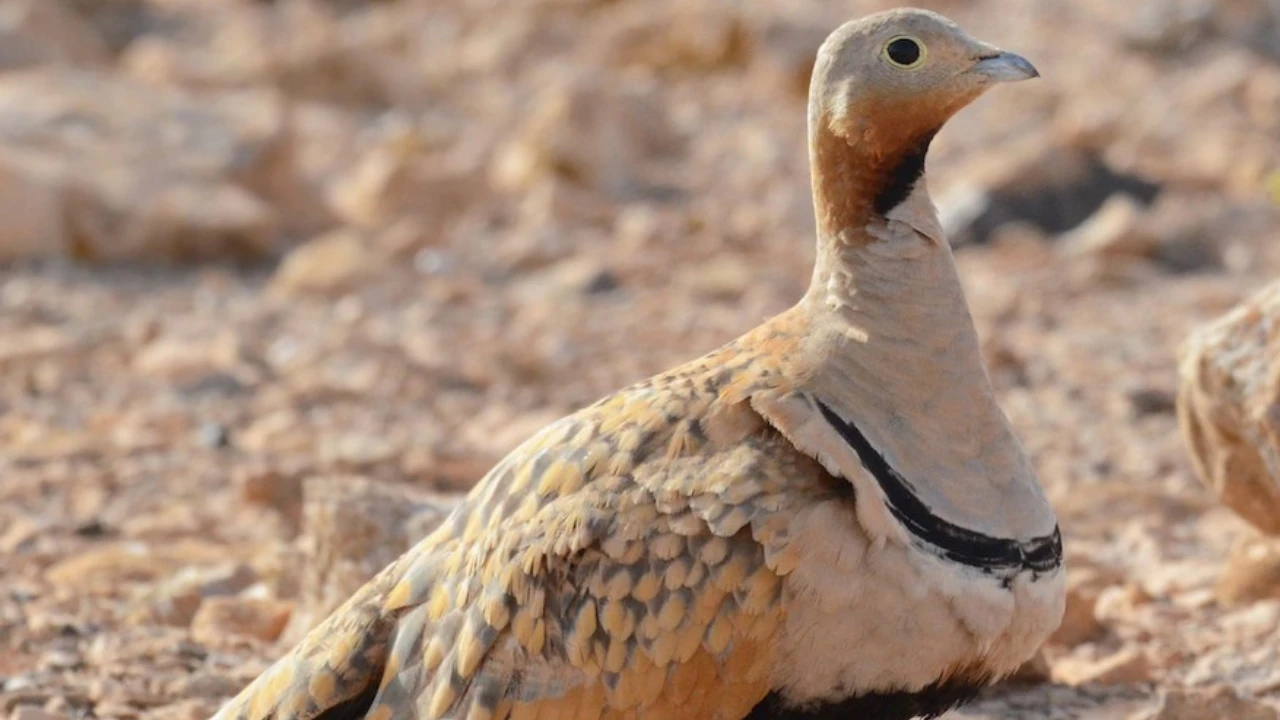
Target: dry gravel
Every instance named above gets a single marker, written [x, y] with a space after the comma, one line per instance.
[264, 252]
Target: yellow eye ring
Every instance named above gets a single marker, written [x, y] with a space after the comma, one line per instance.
[905, 52]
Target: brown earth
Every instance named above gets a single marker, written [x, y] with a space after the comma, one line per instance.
[491, 213]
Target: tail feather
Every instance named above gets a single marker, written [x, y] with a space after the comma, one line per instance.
[333, 674]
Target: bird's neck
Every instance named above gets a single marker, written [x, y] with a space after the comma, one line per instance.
[881, 249]
[885, 288]
[863, 172]
[896, 328]
[900, 296]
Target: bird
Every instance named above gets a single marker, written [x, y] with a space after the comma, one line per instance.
[827, 517]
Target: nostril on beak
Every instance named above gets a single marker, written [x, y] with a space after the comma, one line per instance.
[1005, 67]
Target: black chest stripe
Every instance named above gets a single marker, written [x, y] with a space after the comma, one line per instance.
[991, 554]
[930, 702]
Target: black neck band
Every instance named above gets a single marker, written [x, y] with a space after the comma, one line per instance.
[903, 176]
[993, 555]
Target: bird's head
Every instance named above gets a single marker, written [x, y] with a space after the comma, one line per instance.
[882, 87]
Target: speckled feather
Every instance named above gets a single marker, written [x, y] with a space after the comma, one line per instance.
[625, 562]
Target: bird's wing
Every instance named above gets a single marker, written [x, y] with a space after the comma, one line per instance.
[624, 562]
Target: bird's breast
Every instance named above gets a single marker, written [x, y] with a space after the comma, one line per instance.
[870, 618]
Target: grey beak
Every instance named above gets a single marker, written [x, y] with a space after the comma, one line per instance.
[1006, 67]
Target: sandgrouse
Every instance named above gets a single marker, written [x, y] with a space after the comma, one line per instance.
[829, 517]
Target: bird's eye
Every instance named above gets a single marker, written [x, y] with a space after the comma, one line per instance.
[905, 52]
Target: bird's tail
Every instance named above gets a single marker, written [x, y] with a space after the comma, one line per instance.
[333, 673]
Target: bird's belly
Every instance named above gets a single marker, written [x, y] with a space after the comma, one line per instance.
[864, 617]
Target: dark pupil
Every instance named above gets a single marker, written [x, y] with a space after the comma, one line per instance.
[904, 51]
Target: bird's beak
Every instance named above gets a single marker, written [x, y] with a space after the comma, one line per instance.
[1005, 67]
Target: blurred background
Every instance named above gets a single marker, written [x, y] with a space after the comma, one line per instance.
[277, 278]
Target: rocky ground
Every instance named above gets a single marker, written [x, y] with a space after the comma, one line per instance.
[281, 276]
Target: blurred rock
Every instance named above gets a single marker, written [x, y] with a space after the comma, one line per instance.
[592, 131]
[1147, 400]
[1193, 227]
[19, 533]
[690, 35]
[116, 171]
[1124, 667]
[33, 712]
[1173, 235]
[272, 487]
[1170, 26]
[332, 263]
[1254, 22]
[1252, 573]
[356, 451]
[223, 619]
[398, 178]
[325, 59]
[1035, 671]
[1080, 622]
[32, 216]
[1232, 152]
[204, 685]
[32, 343]
[1229, 407]
[1120, 603]
[46, 32]
[179, 359]
[724, 278]
[352, 528]
[107, 567]
[120, 22]
[176, 600]
[1053, 187]
[786, 52]
[281, 431]
[301, 47]
[1216, 703]
[278, 175]
[1167, 26]
[1113, 232]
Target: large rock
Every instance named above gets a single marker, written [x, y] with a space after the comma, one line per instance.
[1229, 407]
[106, 169]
